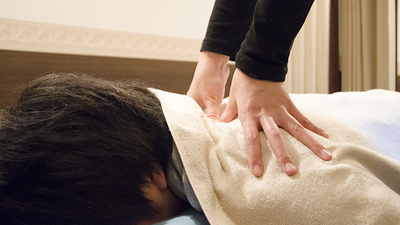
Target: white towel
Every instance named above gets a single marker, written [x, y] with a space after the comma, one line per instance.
[358, 186]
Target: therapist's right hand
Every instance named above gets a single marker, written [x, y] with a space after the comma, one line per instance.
[208, 84]
[265, 105]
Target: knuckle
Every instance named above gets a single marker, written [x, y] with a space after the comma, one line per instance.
[282, 156]
[251, 137]
[309, 125]
[304, 121]
[247, 110]
[273, 133]
[297, 128]
[253, 156]
[316, 146]
[212, 116]
[213, 100]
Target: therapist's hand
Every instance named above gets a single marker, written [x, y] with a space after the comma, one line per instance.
[265, 105]
[208, 84]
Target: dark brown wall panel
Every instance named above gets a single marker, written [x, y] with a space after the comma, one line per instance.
[18, 68]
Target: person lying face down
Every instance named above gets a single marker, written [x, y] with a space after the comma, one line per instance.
[81, 150]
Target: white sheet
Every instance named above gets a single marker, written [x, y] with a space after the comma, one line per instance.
[375, 114]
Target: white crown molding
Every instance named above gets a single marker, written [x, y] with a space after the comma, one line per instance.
[20, 35]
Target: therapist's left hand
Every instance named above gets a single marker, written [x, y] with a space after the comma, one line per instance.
[265, 105]
[208, 84]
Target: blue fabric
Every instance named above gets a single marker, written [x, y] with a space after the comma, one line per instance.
[374, 113]
[189, 217]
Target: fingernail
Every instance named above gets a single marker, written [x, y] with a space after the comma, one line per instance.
[213, 117]
[290, 167]
[257, 170]
[325, 154]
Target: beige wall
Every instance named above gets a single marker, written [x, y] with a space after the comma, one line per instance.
[176, 18]
[148, 29]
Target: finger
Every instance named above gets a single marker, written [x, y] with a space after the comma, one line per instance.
[295, 112]
[253, 148]
[252, 143]
[230, 112]
[300, 133]
[213, 110]
[278, 146]
[197, 98]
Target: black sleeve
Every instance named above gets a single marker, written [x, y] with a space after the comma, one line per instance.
[265, 50]
[229, 22]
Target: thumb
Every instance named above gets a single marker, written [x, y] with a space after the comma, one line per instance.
[213, 112]
[231, 111]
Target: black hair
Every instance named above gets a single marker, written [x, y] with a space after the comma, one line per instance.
[79, 150]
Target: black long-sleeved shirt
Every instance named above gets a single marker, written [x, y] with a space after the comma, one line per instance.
[258, 35]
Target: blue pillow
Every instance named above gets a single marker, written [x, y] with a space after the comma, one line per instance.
[189, 217]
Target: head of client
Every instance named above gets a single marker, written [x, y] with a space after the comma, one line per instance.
[81, 150]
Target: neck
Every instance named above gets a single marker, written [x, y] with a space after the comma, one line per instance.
[168, 205]
[171, 206]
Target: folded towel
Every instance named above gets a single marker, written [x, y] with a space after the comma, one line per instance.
[358, 186]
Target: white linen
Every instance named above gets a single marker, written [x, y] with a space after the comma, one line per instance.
[375, 114]
[358, 186]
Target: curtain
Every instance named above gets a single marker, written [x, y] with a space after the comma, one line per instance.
[366, 45]
[309, 59]
[357, 38]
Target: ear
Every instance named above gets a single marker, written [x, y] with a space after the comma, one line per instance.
[158, 179]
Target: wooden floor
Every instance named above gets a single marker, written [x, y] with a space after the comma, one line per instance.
[18, 68]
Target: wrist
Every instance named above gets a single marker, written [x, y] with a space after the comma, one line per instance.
[218, 58]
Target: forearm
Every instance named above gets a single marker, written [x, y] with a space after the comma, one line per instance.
[265, 51]
[229, 22]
